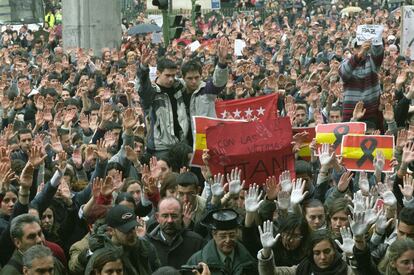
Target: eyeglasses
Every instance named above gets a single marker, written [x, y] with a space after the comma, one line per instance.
[224, 236]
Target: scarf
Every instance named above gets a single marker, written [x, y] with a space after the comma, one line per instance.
[308, 266]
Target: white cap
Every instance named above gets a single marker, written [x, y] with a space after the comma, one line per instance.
[390, 37]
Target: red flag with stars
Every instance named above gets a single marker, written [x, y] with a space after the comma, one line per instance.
[255, 108]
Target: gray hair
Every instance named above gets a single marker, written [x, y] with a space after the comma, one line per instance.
[35, 252]
[16, 228]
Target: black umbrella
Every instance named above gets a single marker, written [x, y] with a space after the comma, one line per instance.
[143, 28]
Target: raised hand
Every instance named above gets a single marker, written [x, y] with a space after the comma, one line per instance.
[363, 183]
[129, 119]
[358, 224]
[252, 201]
[101, 151]
[223, 50]
[359, 111]
[298, 193]
[285, 181]
[382, 223]
[26, 177]
[385, 190]
[217, 186]
[348, 242]
[108, 187]
[358, 202]
[283, 200]
[36, 157]
[61, 162]
[234, 181]
[187, 214]
[77, 158]
[408, 187]
[266, 235]
[272, 188]
[371, 213]
[402, 136]
[388, 113]
[6, 176]
[324, 157]
[379, 161]
[344, 181]
[117, 180]
[408, 153]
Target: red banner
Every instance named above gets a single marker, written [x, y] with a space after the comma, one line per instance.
[201, 123]
[260, 148]
[358, 151]
[255, 108]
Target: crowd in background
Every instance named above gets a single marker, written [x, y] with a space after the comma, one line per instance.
[95, 150]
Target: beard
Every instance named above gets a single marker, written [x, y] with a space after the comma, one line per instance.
[170, 229]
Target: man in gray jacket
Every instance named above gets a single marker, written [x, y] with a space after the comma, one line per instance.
[170, 103]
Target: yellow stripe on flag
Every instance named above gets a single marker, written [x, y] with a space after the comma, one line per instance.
[304, 152]
[328, 138]
[200, 142]
[357, 153]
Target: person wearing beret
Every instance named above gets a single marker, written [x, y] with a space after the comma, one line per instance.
[224, 254]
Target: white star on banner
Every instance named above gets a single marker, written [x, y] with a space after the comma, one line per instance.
[249, 112]
[237, 113]
[224, 114]
[260, 111]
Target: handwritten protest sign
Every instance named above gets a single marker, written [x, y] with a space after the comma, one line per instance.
[407, 31]
[332, 133]
[369, 32]
[239, 45]
[260, 148]
[194, 46]
[201, 123]
[358, 151]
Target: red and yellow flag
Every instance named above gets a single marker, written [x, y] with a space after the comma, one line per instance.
[359, 151]
[200, 125]
[332, 133]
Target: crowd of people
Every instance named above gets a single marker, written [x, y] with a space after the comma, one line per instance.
[95, 150]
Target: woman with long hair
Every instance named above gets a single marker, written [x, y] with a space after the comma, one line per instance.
[322, 256]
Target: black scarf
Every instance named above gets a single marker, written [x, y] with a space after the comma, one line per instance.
[308, 266]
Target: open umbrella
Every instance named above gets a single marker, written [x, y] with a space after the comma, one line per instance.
[143, 29]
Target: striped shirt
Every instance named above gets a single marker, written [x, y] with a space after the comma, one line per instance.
[361, 83]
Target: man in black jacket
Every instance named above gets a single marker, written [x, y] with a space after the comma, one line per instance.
[173, 243]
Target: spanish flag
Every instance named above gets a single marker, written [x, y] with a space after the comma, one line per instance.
[359, 151]
[200, 125]
[304, 152]
[332, 133]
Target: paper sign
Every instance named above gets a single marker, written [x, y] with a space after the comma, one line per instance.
[152, 73]
[407, 31]
[359, 151]
[194, 46]
[239, 45]
[369, 32]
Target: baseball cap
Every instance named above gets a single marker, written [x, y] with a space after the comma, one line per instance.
[122, 218]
